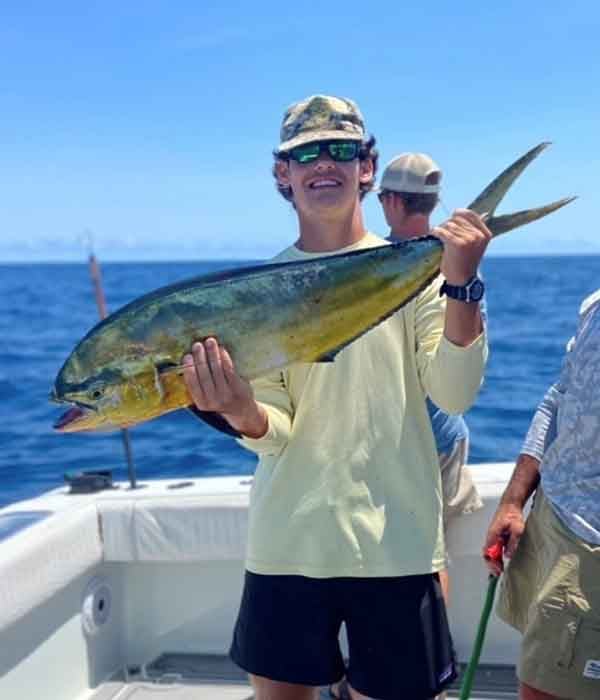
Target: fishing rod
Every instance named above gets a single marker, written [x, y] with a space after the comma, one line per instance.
[493, 553]
[103, 313]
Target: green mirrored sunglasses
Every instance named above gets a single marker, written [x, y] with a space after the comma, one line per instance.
[341, 151]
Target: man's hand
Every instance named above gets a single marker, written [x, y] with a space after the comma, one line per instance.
[508, 522]
[507, 526]
[214, 385]
[465, 237]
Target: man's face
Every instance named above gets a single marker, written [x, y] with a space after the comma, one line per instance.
[325, 184]
[393, 208]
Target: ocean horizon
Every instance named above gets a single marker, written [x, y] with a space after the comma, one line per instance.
[84, 260]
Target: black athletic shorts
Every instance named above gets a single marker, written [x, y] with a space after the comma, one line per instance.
[398, 638]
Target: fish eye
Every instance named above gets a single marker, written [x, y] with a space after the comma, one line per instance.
[96, 393]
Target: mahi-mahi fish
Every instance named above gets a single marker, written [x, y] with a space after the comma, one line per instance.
[127, 369]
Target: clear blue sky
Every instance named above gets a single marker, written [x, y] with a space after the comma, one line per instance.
[152, 123]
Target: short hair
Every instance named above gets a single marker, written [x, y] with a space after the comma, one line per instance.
[367, 151]
[418, 202]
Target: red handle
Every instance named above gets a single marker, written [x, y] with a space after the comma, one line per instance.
[494, 553]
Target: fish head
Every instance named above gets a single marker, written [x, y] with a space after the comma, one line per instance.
[97, 402]
[109, 399]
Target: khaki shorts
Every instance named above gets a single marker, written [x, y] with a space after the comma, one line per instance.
[551, 593]
[458, 490]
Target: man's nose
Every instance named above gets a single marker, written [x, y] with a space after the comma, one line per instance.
[324, 162]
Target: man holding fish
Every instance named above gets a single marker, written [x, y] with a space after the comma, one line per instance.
[345, 517]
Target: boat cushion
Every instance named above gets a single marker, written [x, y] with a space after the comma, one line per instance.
[45, 558]
[204, 527]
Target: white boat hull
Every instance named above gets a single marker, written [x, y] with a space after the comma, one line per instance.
[110, 581]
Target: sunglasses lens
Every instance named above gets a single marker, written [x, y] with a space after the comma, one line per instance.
[338, 150]
[343, 150]
[306, 153]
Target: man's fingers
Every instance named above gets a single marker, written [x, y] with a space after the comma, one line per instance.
[444, 234]
[468, 230]
[191, 381]
[201, 363]
[239, 386]
[494, 545]
[463, 233]
[213, 355]
[463, 221]
[512, 544]
[203, 372]
[231, 376]
[468, 215]
[472, 218]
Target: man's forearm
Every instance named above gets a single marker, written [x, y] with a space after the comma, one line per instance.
[462, 324]
[523, 481]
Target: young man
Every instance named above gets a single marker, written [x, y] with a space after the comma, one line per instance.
[409, 192]
[345, 515]
[551, 589]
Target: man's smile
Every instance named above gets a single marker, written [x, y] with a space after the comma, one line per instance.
[321, 182]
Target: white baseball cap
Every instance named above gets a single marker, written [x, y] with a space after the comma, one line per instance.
[409, 172]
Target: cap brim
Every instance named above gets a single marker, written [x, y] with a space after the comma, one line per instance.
[426, 189]
[310, 136]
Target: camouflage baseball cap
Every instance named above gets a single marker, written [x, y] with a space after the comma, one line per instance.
[320, 117]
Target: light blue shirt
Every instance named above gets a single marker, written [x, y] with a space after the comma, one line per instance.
[447, 429]
[565, 431]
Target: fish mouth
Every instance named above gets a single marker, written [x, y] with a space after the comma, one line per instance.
[69, 419]
[72, 419]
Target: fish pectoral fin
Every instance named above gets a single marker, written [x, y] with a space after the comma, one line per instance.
[215, 420]
[507, 222]
[167, 366]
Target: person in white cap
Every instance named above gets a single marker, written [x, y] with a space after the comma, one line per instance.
[409, 192]
[345, 521]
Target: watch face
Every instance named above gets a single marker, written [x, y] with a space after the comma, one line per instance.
[476, 290]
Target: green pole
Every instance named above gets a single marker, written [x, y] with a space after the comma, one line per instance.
[465, 690]
[494, 553]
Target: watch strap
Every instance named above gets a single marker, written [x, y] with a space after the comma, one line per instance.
[462, 292]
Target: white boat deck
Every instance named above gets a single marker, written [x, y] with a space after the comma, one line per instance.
[215, 677]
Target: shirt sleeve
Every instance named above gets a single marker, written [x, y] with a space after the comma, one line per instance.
[543, 427]
[450, 374]
[542, 430]
[271, 392]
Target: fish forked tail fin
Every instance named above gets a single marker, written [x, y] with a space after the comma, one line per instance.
[507, 222]
[487, 202]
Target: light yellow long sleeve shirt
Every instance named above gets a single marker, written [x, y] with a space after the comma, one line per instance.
[348, 480]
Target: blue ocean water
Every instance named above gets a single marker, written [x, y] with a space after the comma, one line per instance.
[46, 309]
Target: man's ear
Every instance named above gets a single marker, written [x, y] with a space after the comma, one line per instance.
[282, 172]
[400, 205]
[365, 170]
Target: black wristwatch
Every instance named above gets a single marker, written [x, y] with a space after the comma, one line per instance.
[470, 292]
